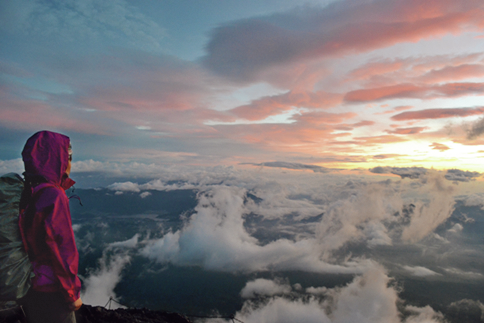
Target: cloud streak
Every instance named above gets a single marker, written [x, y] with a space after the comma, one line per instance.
[414, 91]
[438, 114]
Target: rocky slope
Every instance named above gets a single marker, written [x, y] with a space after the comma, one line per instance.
[98, 314]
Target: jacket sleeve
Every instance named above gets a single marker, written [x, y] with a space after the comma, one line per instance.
[59, 238]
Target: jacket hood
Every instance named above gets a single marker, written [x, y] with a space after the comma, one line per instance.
[46, 154]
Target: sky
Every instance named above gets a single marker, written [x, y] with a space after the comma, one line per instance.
[369, 111]
[328, 84]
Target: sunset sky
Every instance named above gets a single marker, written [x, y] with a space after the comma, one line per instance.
[343, 84]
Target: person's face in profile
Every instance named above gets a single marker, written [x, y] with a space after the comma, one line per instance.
[68, 170]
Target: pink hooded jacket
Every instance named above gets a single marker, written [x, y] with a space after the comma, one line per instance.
[45, 224]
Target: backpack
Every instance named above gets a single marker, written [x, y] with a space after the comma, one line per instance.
[15, 267]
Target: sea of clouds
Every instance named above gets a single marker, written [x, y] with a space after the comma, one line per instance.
[371, 226]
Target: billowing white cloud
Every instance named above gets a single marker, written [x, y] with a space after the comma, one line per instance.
[456, 228]
[427, 216]
[125, 187]
[367, 299]
[317, 290]
[100, 284]
[216, 239]
[145, 194]
[264, 287]
[374, 214]
[130, 243]
[474, 200]
[314, 222]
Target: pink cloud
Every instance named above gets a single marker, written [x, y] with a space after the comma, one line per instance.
[243, 49]
[393, 91]
[140, 81]
[453, 73]
[274, 105]
[376, 68]
[25, 114]
[415, 91]
[418, 70]
[396, 109]
[349, 127]
[438, 113]
[440, 147]
[384, 139]
[319, 118]
[406, 131]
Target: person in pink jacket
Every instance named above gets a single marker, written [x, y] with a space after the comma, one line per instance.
[46, 229]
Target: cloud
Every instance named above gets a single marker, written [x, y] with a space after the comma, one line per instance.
[27, 114]
[407, 131]
[420, 271]
[376, 68]
[466, 310]
[461, 176]
[294, 166]
[358, 217]
[438, 113]
[320, 118]
[264, 287]
[100, 284]
[427, 217]
[244, 49]
[369, 215]
[220, 236]
[274, 105]
[476, 130]
[269, 219]
[124, 187]
[403, 172]
[418, 70]
[456, 228]
[464, 274]
[160, 93]
[12, 166]
[215, 239]
[368, 298]
[455, 175]
[376, 140]
[129, 244]
[145, 194]
[399, 108]
[439, 147]
[454, 73]
[474, 200]
[413, 91]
